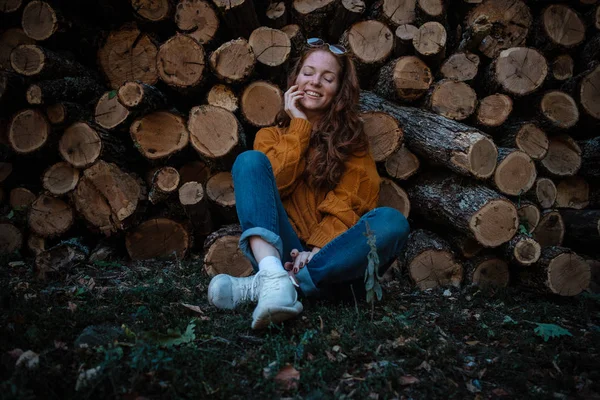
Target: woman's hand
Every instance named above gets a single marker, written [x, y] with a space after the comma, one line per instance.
[292, 108]
[300, 259]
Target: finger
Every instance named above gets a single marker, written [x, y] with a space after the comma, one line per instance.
[288, 266]
[294, 253]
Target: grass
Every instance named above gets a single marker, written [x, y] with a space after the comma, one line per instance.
[139, 340]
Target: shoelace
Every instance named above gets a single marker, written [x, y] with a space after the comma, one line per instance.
[249, 291]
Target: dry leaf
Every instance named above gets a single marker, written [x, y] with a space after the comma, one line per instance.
[408, 380]
[330, 356]
[500, 392]
[72, 306]
[193, 308]
[288, 378]
[472, 342]
[29, 359]
[424, 365]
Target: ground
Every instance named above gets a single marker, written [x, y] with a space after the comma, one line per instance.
[146, 330]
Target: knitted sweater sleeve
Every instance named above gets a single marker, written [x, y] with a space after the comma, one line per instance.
[286, 152]
[356, 194]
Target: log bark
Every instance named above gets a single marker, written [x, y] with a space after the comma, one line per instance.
[239, 16]
[313, 15]
[395, 12]
[392, 195]
[11, 238]
[405, 34]
[463, 205]
[557, 111]
[461, 66]
[527, 137]
[159, 135]
[216, 134]
[487, 271]
[529, 215]
[430, 261]
[523, 250]
[517, 71]
[21, 199]
[128, 55]
[260, 103]
[106, 196]
[296, 37]
[543, 192]
[66, 113]
[558, 271]
[370, 43]
[582, 229]
[452, 99]
[277, 15]
[77, 89]
[233, 61]
[222, 96]
[590, 158]
[219, 190]
[430, 42]
[193, 199]
[222, 254]
[515, 173]
[157, 238]
[551, 230]
[405, 79]
[165, 182]
[496, 25]
[36, 61]
[494, 110]
[563, 157]
[28, 131]
[194, 171]
[347, 12]
[385, 136]
[80, 145]
[198, 19]
[50, 216]
[430, 10]
[402, 164]
[463, 149]
[465, 245]
[180, 62]
[572, 192]
[594, 286]
[60, 178]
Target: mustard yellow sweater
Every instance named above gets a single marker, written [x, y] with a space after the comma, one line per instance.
[317, 216]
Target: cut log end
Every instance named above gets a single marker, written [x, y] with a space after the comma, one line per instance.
[195, 171]
[494, 223]
[50, 216]
[520, 70]
[430, 40]
[272, 47]
[402, 164]
[56, 113]
[180, 62]
[460, 66]
[213, 131]
[370, 41]
[545, 192]
[494, 110]
[191, 193]
[10, 6]
[562, 25]
[157, 238]
[491, 273]
[532, 140]
[260, 103]
[563, 157]
[219, 189]
[222, 96]
[529, 216]
[399, 12]
[559, 109]
[34, 95]
[482, 158]
[109, 112]
[572, 192]
[27, 60]
[11, 238]
[590, 93]
[527, 251]
[28, 131]
[551, 229]
[159, 135]
[130, 94]
[568, 274]
[198, 19]
[152, 10]
[234, 61]
[515, 174]
[385, 136]
[39, 20]
[60, 178]
[21, 198]
[453, 99]
[411, 77]
[433, 268]
[80, 145]
[224, 256]
[392, 195]
[562, 67]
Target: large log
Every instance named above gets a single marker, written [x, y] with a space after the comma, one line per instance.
[222, 254]
[395, 12]
[402, 164]
[60, 178]
[106, 196]
[109, 113]
[154, 11]
[487, 270]
[405, 79]
[233, 61]
[572, 192]
[563, 157]
[527, 137]
[385, 136]
[430, 261]
[157, 238]
[515, 173]
[494, 110]
[271, 47]
[28, 131]
[452, 99]
[557, 110]
[459, 147]
[260, 102]
[543, 192]
[496, 25]
[198, 19]
[558, 271]
[80, 145]
[21, 199]
[462, 66]
[589, 93]
[50, 216]
[559, 26]
[517, 71]
[430, 42]
[392, 195]
[159, 135]
[180, 62]
[463, 205]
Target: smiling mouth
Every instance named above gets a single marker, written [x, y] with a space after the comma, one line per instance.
[313, 94]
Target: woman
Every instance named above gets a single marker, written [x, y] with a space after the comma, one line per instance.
[305, 194]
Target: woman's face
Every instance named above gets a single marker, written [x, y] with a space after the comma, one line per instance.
[319, 79]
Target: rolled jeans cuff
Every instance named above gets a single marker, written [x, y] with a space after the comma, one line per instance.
[264, 234]
[306, 283]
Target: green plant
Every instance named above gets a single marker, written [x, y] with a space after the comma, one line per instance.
[372, 285]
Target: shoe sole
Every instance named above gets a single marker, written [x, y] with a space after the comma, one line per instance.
[275, 315]
[230, 306]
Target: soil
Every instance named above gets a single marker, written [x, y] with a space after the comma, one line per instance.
[121, 330]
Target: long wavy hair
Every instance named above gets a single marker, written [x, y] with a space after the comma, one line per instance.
[339, 133]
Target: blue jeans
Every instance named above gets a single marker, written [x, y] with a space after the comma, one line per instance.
[341, 261]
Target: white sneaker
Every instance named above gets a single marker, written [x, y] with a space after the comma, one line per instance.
[228, 292]
[277, 300]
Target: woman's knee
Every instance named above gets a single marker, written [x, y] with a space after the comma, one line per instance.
[249, 162]
[391, 223]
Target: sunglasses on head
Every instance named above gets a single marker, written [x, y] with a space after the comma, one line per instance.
[334, 48]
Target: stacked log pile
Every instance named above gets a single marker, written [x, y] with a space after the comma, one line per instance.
[120, 122]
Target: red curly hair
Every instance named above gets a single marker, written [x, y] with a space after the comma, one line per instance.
[339, 133]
